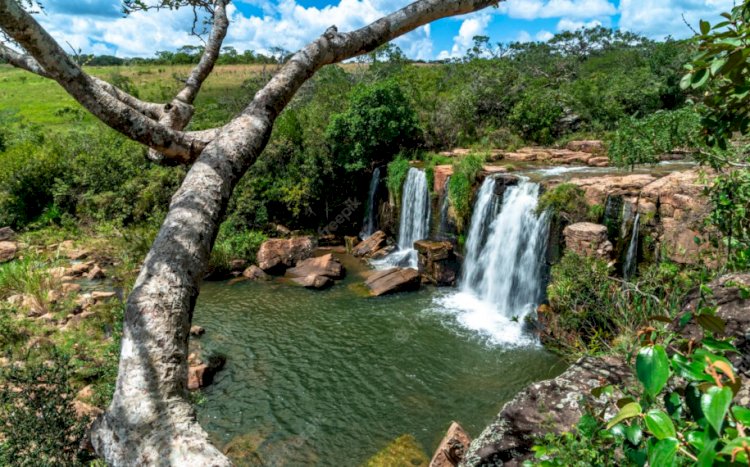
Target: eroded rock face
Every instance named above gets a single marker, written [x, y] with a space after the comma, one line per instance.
[393, 280]
[598, 189]
[369, 246]
[326, 266]
[587, 239]
[277, 254]
[552, 406]
[452, 449]
[441, 174]
[437, 261]
[556, 156]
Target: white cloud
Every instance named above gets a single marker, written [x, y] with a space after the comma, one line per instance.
[543, 36]
[567, 24]
[579, 9]
[474, 25]
[661, 18]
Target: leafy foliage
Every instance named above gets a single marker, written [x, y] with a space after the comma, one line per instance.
[460, 194]
[566, 202]
[397, 170]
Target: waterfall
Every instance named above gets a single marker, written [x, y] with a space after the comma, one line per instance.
[502, 280]
[414, 222]
[631, 259]
[370, 223]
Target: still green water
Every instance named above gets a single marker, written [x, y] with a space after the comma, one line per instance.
[330, 377]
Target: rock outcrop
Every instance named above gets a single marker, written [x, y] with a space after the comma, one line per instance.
[556, 156]
[437, 261]
[369, 246]
[278, 254]
[325, 265]
[588, 146]
[552, 406]
[452, 449]
[392, 280]
[587, 239]
[441, 174]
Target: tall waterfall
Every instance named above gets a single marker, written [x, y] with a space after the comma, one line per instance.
[414, 222]
[631, 263]
[370, 223]
[502, 280]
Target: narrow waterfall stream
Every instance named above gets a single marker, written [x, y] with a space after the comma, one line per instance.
[502, 280]
[414, 223]
[631, 263]
[370, 222]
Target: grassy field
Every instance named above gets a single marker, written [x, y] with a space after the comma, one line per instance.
[42, 101]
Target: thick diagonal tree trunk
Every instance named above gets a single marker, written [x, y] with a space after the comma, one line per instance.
[150, 421]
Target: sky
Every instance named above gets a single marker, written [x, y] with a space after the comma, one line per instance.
[98, 26]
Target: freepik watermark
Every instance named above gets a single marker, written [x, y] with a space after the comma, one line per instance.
[350, 207]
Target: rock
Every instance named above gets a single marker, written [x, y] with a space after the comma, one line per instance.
[100, 296]
[383, 252]
[393, 280]
[7, 251]
[277, 254]
[6, 234]
[69, 288]
[402, 452]
[77, 254]
[79, 269]
[237, 265]
[367, 247]
[313, 281]
[330, 240]
[502, 183]
[283, 230]
[86, 411]
[33, 308]
[441, 174]
[587, 146]
[57, 273]
[437, 261]
[54, 296]
[86, 393]
[587, 239]
[95, 273]
[552, 406]
[598, 189]
[452, 448]
[196, 330]
[325, 265]
[255, 273]
[599, 162]
[350, 242]
[201, 374]
[488, 170]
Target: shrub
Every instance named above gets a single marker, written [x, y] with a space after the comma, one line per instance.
[397, 170]
[536, 115]
[568, 203]
[38, 423]
[234, 243]
[460, 187]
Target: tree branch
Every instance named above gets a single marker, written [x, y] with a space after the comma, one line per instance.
[24, 29]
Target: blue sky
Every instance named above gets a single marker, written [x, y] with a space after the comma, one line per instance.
[98, 26]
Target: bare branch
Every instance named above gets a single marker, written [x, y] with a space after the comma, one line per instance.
[24, 29]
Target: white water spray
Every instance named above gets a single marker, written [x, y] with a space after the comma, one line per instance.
[370, 223]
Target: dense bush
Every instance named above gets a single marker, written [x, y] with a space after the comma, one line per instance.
[234, 242]
[397, 170]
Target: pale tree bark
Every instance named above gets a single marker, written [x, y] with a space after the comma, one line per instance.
[150, 421]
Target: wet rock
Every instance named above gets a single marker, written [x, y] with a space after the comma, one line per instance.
[452, 449]
[201, 374]
[255, 273]
[325, 265]
[7, 251]
[441, 174]
[383, 252]
[437, 261]
[503, 182]
[6, 234]
[587, 239]
[95, 273]
[367, 247]
[587, 146]
[313, 281]
[403, 451]
[552, 406]
[393, 280]
[277, 254]
[350, 242]
[197, 331]
[79, 269]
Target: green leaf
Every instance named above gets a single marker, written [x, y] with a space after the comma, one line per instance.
[634, 434]
[733, 445]
[742, 414]
[693, 402]
[715, 403]
[689, 369]
[718, 345]
[705, 27]
[652, 368]
[660, 425]
[662, 454]
[711, 323]
[629, 411]
[707, 454]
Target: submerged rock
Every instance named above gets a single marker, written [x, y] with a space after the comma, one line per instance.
[552, 406]
[367, 247]
[393, 280]
[437, 261]
[587, 239]
[278, 254]
[452, 449]
[404, 451]
[313, 281]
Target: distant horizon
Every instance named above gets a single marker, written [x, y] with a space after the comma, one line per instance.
[98, 26]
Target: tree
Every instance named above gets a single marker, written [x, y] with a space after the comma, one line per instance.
[150, 420]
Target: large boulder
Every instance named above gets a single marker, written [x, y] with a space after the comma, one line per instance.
[367, 247]
[7, 251]
[587, 239]
[313, 281]
[552, 406]
[278, 254]
[254, 273]
[437, 261]
[325, 265]
[452, 449]
[393, 280]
